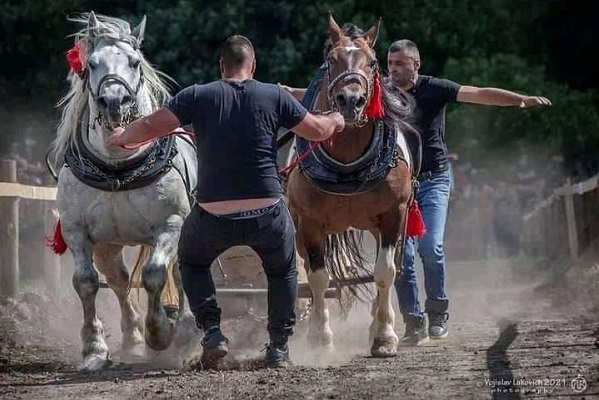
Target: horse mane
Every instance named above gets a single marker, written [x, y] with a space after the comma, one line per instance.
[74, 103]
[398, 104]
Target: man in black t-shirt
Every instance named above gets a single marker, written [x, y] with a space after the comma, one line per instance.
[239, 192]
[432, 96]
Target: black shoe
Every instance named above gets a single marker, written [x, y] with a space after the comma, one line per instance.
[437, 325]
[215, 347]
[415, 333]
[277, 356]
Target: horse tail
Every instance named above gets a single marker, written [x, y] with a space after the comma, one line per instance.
[345, 262]
[170, 293]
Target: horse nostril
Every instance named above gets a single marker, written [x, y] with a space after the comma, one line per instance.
[126, 100]
[102, 103]
[361, 102]
[340, 100]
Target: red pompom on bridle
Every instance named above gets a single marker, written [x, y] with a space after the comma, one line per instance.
[375, 109]
[75, 57]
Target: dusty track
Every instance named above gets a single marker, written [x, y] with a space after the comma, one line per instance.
[531, 342]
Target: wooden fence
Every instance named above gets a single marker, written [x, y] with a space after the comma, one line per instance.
[564, 224]
[42, 209]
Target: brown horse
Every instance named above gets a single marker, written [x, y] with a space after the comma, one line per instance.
[361, 179]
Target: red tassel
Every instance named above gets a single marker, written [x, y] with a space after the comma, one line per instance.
[416, 225]
[57, 243]
[375, 109]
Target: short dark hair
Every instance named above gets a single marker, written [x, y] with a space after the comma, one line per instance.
[404, 44]
[236, 51]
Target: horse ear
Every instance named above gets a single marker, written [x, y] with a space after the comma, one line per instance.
[139, 31]
[335, 31]
[92, 22]
[373, 33]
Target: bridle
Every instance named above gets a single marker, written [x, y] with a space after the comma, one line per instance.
[332, 83]
[133, 111]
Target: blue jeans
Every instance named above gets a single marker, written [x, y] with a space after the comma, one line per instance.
[205, 236]
[433, 199]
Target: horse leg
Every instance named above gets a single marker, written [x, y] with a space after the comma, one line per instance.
[373, 328]
[385, 340]
[159, 330]
[109, 260]
[186, 326]
[86, 283]
[319, 331]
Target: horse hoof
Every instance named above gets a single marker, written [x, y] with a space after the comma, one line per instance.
[159, 333]
[159, 344]
[322, 340]
[135, 353]
[94, 363]
[384, 348]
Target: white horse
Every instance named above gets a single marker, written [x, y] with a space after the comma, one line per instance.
[111, 197]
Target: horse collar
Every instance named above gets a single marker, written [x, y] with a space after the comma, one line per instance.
[131, 174]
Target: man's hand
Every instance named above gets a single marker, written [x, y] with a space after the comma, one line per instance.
[339, 121]
[117, 137]
[533, 101]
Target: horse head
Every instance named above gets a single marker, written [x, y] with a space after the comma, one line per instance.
[112, 84]
[114, 74]
[352, 67]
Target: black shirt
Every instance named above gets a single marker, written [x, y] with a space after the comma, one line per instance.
[432, 95]
[236, 125]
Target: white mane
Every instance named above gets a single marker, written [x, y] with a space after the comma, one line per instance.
[75, 102]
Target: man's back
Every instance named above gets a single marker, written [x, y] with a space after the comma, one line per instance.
[236, 123]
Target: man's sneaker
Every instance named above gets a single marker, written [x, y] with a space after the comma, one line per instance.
[215, 347]
[277, 356]
[437, 325]
[415, 333]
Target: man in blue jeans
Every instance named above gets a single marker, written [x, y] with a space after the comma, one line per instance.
[239, 190]
[432, 96]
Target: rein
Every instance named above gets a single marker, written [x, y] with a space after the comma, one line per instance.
[298, 159]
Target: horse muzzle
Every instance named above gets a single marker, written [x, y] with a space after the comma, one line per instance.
[350, 104]
[117, 111]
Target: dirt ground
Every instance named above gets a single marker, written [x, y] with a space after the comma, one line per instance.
[515, 332]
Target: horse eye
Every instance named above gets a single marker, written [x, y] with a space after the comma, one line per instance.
[135, 63]
[91, 65]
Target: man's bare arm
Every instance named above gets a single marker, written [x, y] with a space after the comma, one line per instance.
[498, 97]
[319, 127]
[154, 125]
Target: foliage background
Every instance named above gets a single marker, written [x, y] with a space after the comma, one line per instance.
[542, 47]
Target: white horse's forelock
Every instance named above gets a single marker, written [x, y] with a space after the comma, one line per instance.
[75, 102]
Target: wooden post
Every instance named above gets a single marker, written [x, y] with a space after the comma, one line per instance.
[571, 224]
[9, 234]
[51, 266]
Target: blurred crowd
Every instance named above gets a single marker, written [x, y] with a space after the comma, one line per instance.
[487, 206]
[31, 172]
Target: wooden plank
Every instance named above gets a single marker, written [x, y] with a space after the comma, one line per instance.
[571, 225]
[9, 189]
[578, 188]
[9, 234]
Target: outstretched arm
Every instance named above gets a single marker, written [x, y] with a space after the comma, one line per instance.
[298, 93]
[498, 97]
[149, 127]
